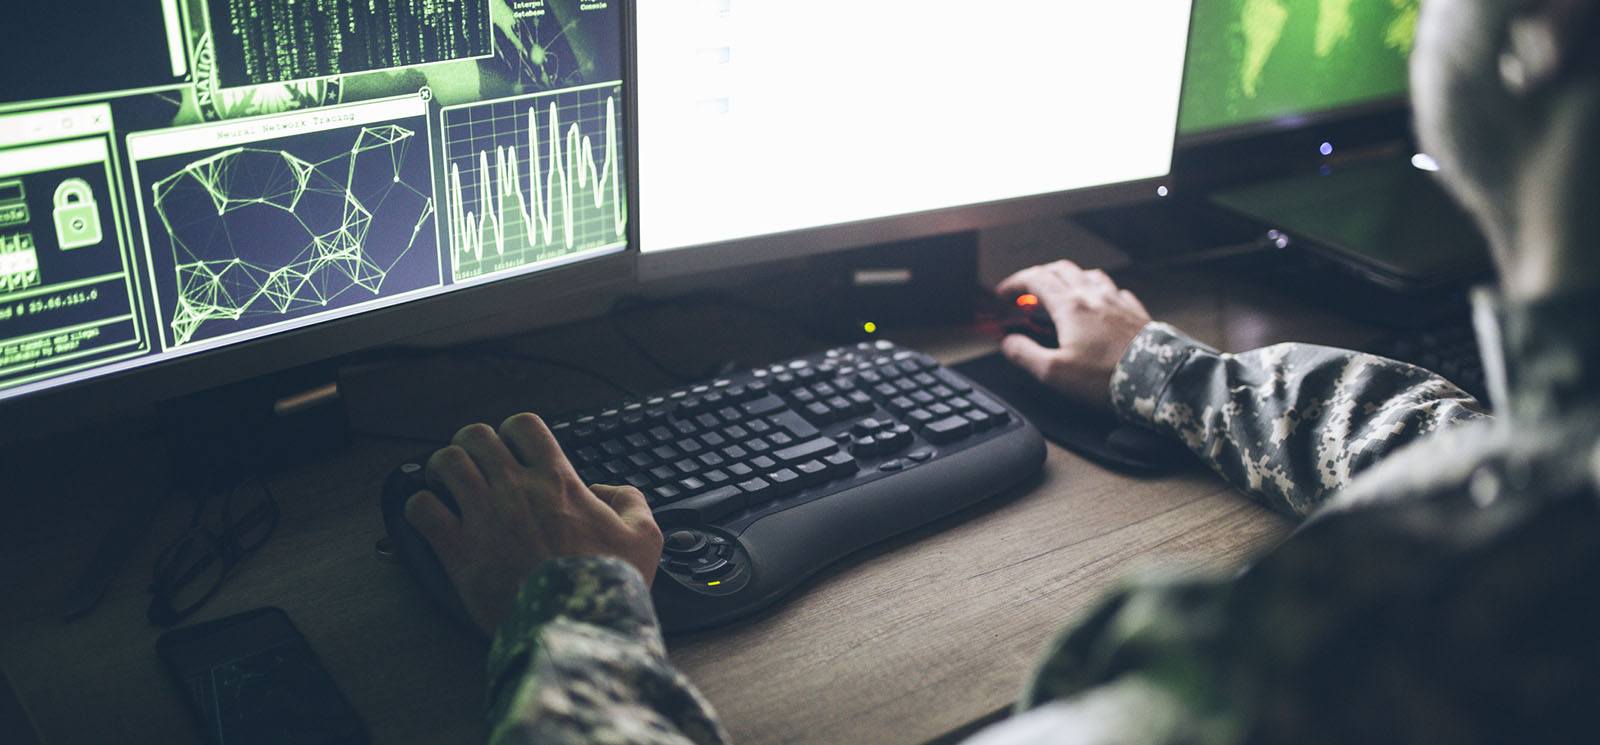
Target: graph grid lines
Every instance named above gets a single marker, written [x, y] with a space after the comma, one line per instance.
[533, 178]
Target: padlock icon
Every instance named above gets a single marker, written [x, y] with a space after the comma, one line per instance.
[77, 216]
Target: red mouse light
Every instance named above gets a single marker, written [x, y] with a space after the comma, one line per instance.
[1027, 301]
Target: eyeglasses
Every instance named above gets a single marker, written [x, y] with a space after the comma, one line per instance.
[191, 570]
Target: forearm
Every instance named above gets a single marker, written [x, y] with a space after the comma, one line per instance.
[1288, 424]
[581, 660]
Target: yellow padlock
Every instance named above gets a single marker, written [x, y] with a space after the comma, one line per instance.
[77, 215]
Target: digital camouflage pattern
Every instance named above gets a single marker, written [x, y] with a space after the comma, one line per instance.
[1445, 586]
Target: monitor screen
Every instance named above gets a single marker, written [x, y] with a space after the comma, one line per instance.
[185, 175]
[765, 117]
[1255, 62]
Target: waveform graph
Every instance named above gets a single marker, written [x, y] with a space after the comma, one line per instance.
[533, 178]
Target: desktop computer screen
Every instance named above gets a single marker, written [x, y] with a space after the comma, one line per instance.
[1259, 62]
[184, 176]
[765, 123]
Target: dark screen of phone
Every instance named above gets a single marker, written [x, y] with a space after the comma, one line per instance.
[274, 695]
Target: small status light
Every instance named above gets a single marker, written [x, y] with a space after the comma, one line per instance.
[869, 327]
[1326, 149]
[1161, 191]
[714, 583]
[1027, 301]
[1424, 162]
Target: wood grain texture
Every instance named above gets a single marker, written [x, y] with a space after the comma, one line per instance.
[897, 644]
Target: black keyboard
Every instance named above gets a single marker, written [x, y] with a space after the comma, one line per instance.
[764, 477]
[1448, 348]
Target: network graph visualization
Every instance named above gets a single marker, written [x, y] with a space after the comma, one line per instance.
[260, 234]
[272, 41]
[533, 178]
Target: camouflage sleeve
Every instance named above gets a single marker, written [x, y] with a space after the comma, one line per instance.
[1288, 424]
[581, 660]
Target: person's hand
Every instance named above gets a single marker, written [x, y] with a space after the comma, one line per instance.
[522, 503]
[1095, 322]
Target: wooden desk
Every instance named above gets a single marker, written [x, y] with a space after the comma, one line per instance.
[899, 644]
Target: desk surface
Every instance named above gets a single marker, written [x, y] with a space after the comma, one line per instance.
[898, 644]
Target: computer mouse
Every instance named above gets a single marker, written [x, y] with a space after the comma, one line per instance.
[409, 545]
[1027, 316]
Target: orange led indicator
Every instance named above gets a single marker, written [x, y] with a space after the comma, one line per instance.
[1027, 301]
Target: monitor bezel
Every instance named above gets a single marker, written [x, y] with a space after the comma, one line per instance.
[118, 392]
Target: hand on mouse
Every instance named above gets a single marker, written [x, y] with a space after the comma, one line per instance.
[521, 503]
[1095, 322]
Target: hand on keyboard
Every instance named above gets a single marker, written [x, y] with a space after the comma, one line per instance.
[1095, 322]
[521, 503]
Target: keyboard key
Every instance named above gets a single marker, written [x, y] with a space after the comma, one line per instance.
[759, 426]
[763, 462]
[819, 412]
[640, 481]
[796, 426]
[707, 420]
[948, 429]
[713, 440]
[712, 505]
[662, 494]
[710, 460]
[687, 466]
[641, 460]
[841, 463]
[691, 485]
[716, 477]
[661, 434]
[807, 450]
[812, 471]
[740, 469]
[901, 405]
[954, 381]
[735, 452]
[756, 489]
[757, 445]
[637, 441]
[921, 417]
[664, 473]
[980, 420]
[779, 439]
[665, 452]
[989, 406]
[689, 446]
[784, 480]
[735, 432]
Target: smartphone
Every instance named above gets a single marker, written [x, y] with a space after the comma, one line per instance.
[251, 679]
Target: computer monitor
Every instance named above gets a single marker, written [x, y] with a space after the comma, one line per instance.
[1261, 65]
[194, 192]
[771, 129]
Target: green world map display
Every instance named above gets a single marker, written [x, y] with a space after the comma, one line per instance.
[1253, 61]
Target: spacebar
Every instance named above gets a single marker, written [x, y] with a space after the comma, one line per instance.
[704, 508]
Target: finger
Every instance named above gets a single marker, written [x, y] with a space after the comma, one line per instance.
[1069, 272]
[1134, 301]
[452, 469]
[1052, 291]
[437, 525]
[1099, 278]
[488, 451]
[1028, 355]
[628, 502]
[534, 446]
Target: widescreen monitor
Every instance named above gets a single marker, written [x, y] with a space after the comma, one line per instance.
[1260, 65]
[775, 128]
[183, 179]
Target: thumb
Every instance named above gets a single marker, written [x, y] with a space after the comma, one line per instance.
[438, 526]
[1028, 355]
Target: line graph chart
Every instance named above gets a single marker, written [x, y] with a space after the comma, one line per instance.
[533, 178]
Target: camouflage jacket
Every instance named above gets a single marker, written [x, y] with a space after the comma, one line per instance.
[1444, 586]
